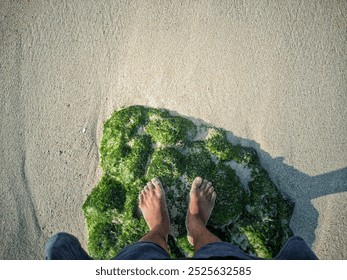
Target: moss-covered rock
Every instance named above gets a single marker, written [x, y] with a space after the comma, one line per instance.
[169, 130]
[168, 164]
[133, 165]
[139, 143]
[230, 205]
[199, 161]
[218, 144]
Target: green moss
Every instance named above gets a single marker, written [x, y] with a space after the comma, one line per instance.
[175, 250]
[126, 122]
[256, 239]
[168, 164]
[107, 196]
[132, 230]
[186, 246]
[132, 166]
[113, 149]
[199, 161]
[170, 130]
[231, 197]
[243, 155]
[139, 143]
[103, 240]
[218, 145]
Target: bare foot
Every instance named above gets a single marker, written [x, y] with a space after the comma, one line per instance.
[202, 200]
[153, 206]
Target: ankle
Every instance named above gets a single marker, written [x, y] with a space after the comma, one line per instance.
[194, 224]
[156, 237]
[161, 231]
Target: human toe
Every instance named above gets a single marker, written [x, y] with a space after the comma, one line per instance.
[195, 185]
[204, 184]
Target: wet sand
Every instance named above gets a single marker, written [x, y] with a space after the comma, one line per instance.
[273, 74]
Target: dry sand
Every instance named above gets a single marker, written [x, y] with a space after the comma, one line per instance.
[272, 72]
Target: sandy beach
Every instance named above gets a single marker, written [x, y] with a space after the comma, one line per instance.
[274, 74]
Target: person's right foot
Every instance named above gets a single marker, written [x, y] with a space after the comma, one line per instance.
[153, 206]
[201, 203]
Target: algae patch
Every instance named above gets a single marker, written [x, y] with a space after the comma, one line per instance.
[139, 143]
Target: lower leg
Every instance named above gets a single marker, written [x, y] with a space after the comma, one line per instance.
[153, 206]
[156, 237]
[202, 200]
[64, 246]
[201, 235]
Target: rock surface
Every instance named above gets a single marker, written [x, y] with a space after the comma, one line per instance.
[140, 143]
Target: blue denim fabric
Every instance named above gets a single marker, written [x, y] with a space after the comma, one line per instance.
[294, 249]
[221, 250]
[64, 246]
[142, 250]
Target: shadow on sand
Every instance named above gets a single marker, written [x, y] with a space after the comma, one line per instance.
[299, 187]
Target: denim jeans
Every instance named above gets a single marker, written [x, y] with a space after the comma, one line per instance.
[64, 246]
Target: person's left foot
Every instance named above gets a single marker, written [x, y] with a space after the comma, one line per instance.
[153, 206]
